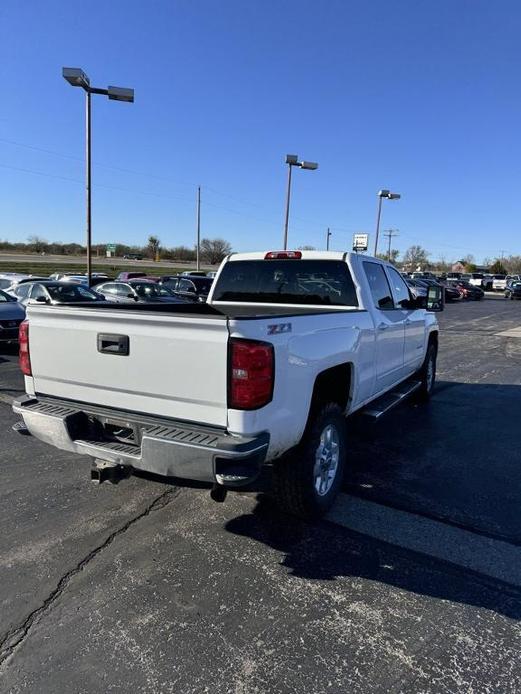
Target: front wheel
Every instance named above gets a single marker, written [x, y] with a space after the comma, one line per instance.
[307, 481]
[427, 373]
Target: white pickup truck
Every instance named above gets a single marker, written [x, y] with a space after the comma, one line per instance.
[288, 345]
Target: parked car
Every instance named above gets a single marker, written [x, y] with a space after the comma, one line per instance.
[212, 274]
[49, 292]
[132, 256]
[264, 373]
[11, 315]
[499, 282]
[513, 290]
[191, 288]
[467, 290]
[7, 279]
[450, 293]
[137, 290]
[453, 275]
[478, 279]
[23, 280]
[194, 273]
[125, 276]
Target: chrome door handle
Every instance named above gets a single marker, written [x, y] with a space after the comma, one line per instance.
[383, 326]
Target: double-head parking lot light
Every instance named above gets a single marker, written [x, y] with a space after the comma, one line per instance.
[77, 78]
[291, 161]
[382, 195]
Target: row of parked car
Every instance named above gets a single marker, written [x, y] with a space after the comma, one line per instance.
[17, 290]
[459, 286]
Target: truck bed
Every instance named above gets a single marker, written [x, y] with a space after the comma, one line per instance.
[246, 311]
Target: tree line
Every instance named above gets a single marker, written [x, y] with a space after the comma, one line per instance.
[212, 251]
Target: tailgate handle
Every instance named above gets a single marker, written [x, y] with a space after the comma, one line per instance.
[113, 344]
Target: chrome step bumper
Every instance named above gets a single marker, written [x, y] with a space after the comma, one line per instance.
[162, 447]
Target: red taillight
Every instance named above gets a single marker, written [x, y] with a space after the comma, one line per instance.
[23, 339]
[283, 255]
[251, 374]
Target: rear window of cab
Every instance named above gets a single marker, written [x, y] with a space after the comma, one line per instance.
[283, 281]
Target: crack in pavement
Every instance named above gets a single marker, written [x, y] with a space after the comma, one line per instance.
[17, 635]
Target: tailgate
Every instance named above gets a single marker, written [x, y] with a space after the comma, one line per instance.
[176, 366]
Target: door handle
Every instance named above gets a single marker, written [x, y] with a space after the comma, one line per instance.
[383, 326]
[113, 344]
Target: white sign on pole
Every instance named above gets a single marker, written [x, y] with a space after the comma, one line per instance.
[360, 242]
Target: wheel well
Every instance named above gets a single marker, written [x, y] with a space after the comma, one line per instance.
[433, 339]
[333, 385]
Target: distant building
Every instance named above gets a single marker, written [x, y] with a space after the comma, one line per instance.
[458, 267]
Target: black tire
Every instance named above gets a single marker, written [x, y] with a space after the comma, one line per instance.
[425, 375]
[295, 475]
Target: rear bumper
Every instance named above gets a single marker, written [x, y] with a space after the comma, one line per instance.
[163, 447]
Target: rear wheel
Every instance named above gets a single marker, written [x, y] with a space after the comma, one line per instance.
[307, 481]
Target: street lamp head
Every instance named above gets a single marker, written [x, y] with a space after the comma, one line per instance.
[311, 165]
[76, 77]
[383, 193]
[292, 159]
[121, 94]
[394, 196]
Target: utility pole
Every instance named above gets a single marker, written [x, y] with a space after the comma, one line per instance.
[328, 235]
[389, 233]
[198, 226]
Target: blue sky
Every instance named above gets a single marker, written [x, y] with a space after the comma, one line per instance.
[419, 97]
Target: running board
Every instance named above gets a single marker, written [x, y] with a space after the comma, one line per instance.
[386, 402]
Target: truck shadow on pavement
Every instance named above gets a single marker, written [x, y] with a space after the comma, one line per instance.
[327, 552]
[456, 460]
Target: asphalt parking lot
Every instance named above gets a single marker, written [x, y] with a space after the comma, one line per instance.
[413, 584]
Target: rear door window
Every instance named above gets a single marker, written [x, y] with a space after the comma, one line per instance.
[379, 286]
[399, 289]
[282, 281]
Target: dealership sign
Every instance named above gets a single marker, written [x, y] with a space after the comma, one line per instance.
[360, 242]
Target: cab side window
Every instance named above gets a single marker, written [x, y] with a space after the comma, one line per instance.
[399, 288]
[379, 286]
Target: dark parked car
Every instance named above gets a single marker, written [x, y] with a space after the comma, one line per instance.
[137, 290]
[467, 290]
[190, 288]
[132, 256]
[49, 292]
[11, 315]
[450, 292]
[513, 290]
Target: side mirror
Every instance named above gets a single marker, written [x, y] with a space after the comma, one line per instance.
[41, 300]
[435, 298]
[130, 296]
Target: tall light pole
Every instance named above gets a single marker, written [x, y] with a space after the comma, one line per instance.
[291, 161]
[382, 194]
[328, 236]
[77, 78]
[198, 267]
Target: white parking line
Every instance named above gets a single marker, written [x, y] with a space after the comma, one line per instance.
[493, 558]
[513, 332]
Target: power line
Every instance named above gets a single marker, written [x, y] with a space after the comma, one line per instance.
[389, 233]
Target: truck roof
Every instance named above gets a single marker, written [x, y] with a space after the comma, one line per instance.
[305, 255]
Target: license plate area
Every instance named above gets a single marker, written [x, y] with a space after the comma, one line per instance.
[116, 430]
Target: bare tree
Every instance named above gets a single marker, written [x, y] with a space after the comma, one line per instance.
[153, 246]
[416, 256]
[214, 250]
[37, 244]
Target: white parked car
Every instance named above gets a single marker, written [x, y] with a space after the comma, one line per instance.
[499, 283]
[288, 345]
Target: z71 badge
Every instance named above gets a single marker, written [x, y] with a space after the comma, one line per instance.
[278, 328]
